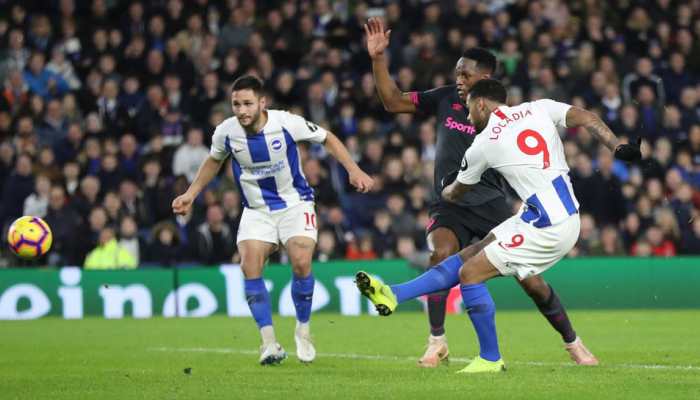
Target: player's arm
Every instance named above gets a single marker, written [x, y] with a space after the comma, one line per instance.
[455, 190]
[578, 117]
[473, 166]
[393, 99]
[358, 178]
[303, 130]
[207, 171]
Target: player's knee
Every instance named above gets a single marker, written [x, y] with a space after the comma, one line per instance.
[301, 266]
[536, 288]
[442, 252]
[252, 263]
[467, 276]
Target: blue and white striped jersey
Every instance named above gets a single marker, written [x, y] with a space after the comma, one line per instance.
[522, 144]
[267, 165]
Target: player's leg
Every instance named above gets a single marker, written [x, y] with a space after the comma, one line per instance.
[297, 230]
[482, 311]
[550, 306]
[443, 243]
[257, 239]
[439, 277]
[301, 250]
[254, 253]
[486, 217]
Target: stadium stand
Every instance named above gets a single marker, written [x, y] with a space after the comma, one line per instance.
[107, 108]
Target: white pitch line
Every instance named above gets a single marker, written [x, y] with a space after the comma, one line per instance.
[354, 356]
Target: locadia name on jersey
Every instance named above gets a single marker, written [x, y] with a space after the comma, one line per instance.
[496, 130]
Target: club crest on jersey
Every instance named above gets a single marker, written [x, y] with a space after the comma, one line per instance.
[276, 145]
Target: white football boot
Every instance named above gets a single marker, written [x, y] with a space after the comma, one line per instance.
[580, 353]
[271, 354]
[436, 353]
[305, 347]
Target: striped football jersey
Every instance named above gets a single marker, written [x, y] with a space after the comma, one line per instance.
[267, 165]
[522, 144]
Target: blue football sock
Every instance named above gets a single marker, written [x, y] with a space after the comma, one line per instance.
[482, 311]
[302, 294]
[259, 301]
[440, 277]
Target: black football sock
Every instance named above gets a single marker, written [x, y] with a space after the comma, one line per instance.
[437, 304]
[554, 311]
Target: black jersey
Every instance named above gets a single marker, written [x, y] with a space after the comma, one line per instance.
[454, 136]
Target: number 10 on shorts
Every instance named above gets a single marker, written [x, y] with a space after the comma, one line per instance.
[310, 221]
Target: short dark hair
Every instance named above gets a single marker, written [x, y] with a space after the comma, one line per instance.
[490, 89]
[485, 60]
[248, 82]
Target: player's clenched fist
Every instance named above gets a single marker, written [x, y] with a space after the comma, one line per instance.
[182, 204]
[361, 181]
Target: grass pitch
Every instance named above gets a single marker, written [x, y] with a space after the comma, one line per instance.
[644, 355]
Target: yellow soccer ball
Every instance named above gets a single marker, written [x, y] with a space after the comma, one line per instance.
[29, 237]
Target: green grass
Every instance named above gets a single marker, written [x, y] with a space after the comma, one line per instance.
[645, 355]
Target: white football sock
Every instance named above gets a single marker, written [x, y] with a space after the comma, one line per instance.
[267, 333]
[303, 328]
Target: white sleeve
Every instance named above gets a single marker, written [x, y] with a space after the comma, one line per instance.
[218, 149]
[556, 111]
[303, 130]
[473, 165]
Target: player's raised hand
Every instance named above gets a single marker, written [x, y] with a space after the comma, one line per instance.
[182, 204]
[377, 38]
[361, 181]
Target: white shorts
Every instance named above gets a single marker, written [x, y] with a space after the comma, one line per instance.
[278, 227]
[522, 250]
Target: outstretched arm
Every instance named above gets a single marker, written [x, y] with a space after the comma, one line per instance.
[207, 171]
[377, 41]
[578, 117]
[358, 178]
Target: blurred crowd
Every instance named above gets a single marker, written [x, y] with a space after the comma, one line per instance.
[107, 109]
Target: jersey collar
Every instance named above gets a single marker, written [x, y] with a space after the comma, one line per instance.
[498, 112]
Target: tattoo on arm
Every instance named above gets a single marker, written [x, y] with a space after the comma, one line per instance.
[598, 129]
[577, 117]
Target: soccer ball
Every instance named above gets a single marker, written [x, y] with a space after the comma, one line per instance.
[29, 237]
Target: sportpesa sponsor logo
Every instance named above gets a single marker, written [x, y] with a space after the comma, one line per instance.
[267, 170]
[454, 125]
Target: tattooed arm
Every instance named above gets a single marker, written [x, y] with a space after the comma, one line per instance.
[576, 117]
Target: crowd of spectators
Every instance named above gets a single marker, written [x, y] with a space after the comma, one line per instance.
[107, 109]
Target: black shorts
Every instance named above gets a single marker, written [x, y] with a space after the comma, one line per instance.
[468, 223]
